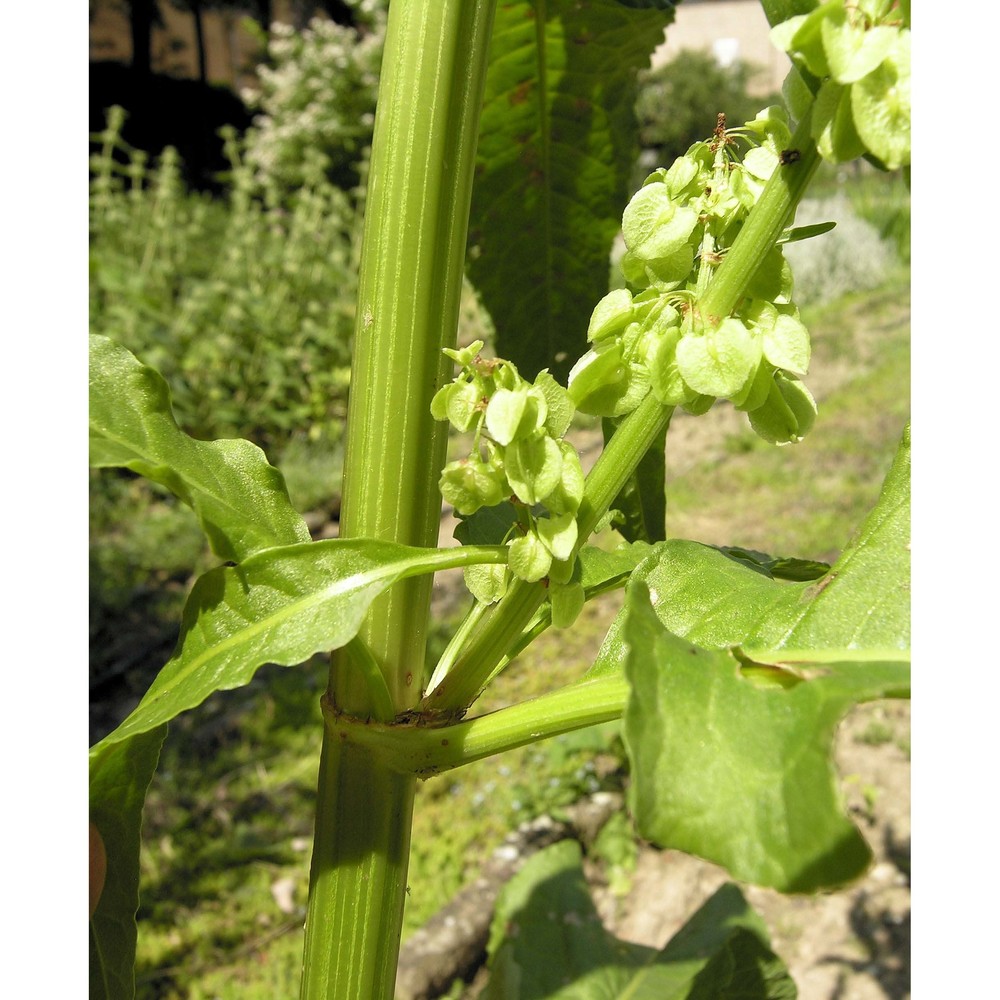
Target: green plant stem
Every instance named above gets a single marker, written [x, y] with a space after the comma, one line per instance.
[506, 620]
[362, 658]
[456, 642]
[542, 620]
[427, 750]
[412, 261]
[413, 252]
[764, 225]
[357, 884]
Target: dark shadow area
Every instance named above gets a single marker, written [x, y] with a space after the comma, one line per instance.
[128, 646]
[880, 920]
[164, 111]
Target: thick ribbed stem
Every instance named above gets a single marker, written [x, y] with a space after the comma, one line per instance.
[413, 252]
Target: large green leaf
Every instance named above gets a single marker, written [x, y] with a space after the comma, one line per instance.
[557, 145]
[547, 942]
[731, 762]
[279, 606]
[600, 568]
[731, 750]
[241, 500]
[119, 776]
[863, 602]
[720, 598]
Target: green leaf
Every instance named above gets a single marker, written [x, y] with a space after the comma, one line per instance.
[853, 51]
[780, 10]
[240, 500]
[558, 534]
[881, 107]
[802, 37]
[788, 412]
[665, 378]
[559, 406]
[654, 227]
[773, 278]
[754, 394]
[486, 583]
[599, 567]
[567, 494]
[469, 483]
[786, 344]
[280, 606]
[511, 414]
[547, 941]
[705, 596]
[602, 383]
[566, 601]
[462, 404]
[642, 501]
[534, 467]
[833, 124]
[558, 141]
[798, 233]
[737, 771]
[119, 776]
[611, 315]
[730, 751]
[488, 525]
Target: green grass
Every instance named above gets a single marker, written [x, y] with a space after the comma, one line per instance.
[229, 817]
[807, 499]
[875, 734]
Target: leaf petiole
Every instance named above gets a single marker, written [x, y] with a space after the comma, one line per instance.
[421, 748]
[363, 658]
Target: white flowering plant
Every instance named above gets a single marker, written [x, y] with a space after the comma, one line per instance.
[315, 95]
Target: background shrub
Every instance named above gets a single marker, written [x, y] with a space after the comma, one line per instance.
[316, 97]
[884, 201]
[245, 304]
[166, 111]
[852, 257]
[678, 103]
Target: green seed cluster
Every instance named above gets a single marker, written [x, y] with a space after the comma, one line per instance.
[517, 452]
[651, 335]
[860, 51]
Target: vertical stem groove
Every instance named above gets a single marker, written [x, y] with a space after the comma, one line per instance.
[412, 258]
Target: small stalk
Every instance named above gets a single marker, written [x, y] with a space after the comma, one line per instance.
[764, 225]
[507, 619]
[457, 641]
[412, 261]
[503, 624]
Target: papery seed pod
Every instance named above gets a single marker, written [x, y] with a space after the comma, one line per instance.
[529, 559]
[611, 315]
[788, 413]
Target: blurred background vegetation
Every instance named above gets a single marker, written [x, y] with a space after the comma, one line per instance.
[235, 277]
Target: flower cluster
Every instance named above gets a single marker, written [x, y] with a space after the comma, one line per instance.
[651, 335]
[517, 452]
[316, 95]
[860, 52]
